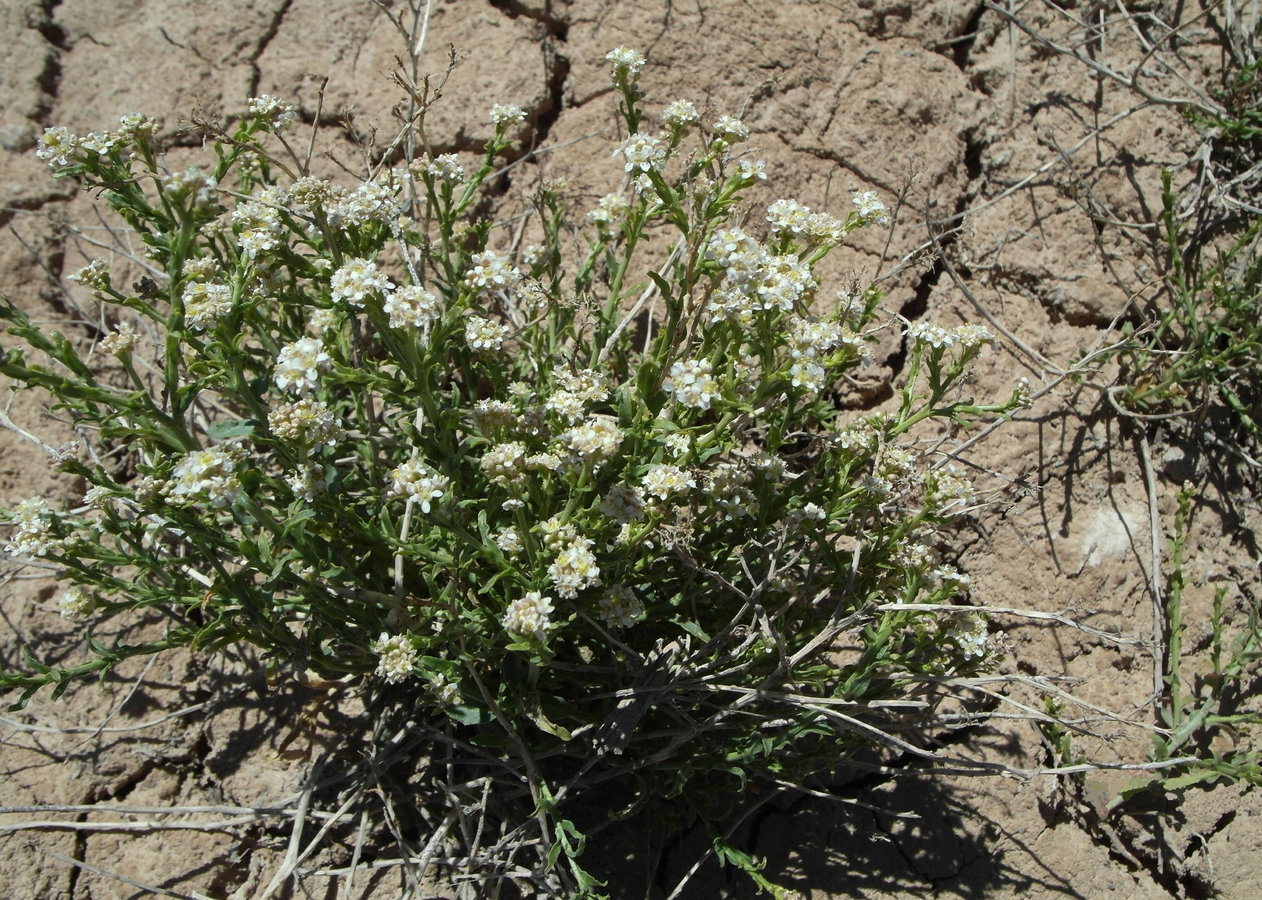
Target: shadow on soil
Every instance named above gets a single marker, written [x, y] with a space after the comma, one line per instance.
[910, 837]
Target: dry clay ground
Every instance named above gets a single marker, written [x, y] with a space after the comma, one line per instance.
[1034, 173]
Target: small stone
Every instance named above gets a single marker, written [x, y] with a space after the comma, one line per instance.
[17, 138]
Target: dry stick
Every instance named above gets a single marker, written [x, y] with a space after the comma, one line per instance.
[84, 808]
[314, 843]
[1060, 618]
[134, 827]
[1202, 105]
[1033, 354]
[431, 846]
[1154, 575]
[295, 840]
[647, 294]
[1042, 686]
[392, 822]
[10, 425]
[1082, 367]
[360, 834]
[96, 870]
[1021, 184]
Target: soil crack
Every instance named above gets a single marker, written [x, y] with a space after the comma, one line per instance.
[269, 35]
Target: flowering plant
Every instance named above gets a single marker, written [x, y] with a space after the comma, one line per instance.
[600, 514]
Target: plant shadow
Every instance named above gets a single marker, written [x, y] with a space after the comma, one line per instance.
[912, 835]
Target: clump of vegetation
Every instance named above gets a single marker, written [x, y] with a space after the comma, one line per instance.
[596, 518]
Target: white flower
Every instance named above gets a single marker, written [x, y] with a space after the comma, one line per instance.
[357, 280]
[739, 254]
[396, 657]
[307, 482]
[593, 441]
[99, 142]
[300, 364]
[677, 443]
[34, 520]
[309, 193]
[574, 569]
[205, 303]
[643, 153]
[811, 338]
[788, 217]
[622, 504]
[870, 208]
[259, 224]
[620, 608]
[120, 341]
[751, 170]
[725, 485]
[691, 383]
[663, 480]
[95, 275]
[970, 336]
[509, 541]
[134, 126]
[927, 333]
[627, 63]
[416, 480]
[528, 616]
[307, 419]
[75, 603]
[825, 229]
[411, 306]
[490, 415]
[949, 491]
[507, 114]
[785, 279]
[566, 404]
[610, 210]
[275, 112]
[731, 129]
[968, 632]
[206, 476]
[587, 384]
[505, 463]
[191, 181]
[556, 534]
[680, 114]
[447, 693]
[483, 334]
[807, 373]
[445, 167]
[372, 201]
[322, 319]
[57, 147]
[491, 271]
[99, 497]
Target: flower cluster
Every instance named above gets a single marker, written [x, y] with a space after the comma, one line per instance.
[207, 478]
[396, 657]
[33, 536]
[273, 112]
[415, 480]
[356, 281]
[300, 364]
[626, 62]
[528, 616]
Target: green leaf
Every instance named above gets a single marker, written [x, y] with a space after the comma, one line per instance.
[230, 428]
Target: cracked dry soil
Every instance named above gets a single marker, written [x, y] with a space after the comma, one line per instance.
[1026, 164]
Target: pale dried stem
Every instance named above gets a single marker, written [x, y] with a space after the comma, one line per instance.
[124, 879]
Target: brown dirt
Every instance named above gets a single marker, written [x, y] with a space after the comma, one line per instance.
[989, 132]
